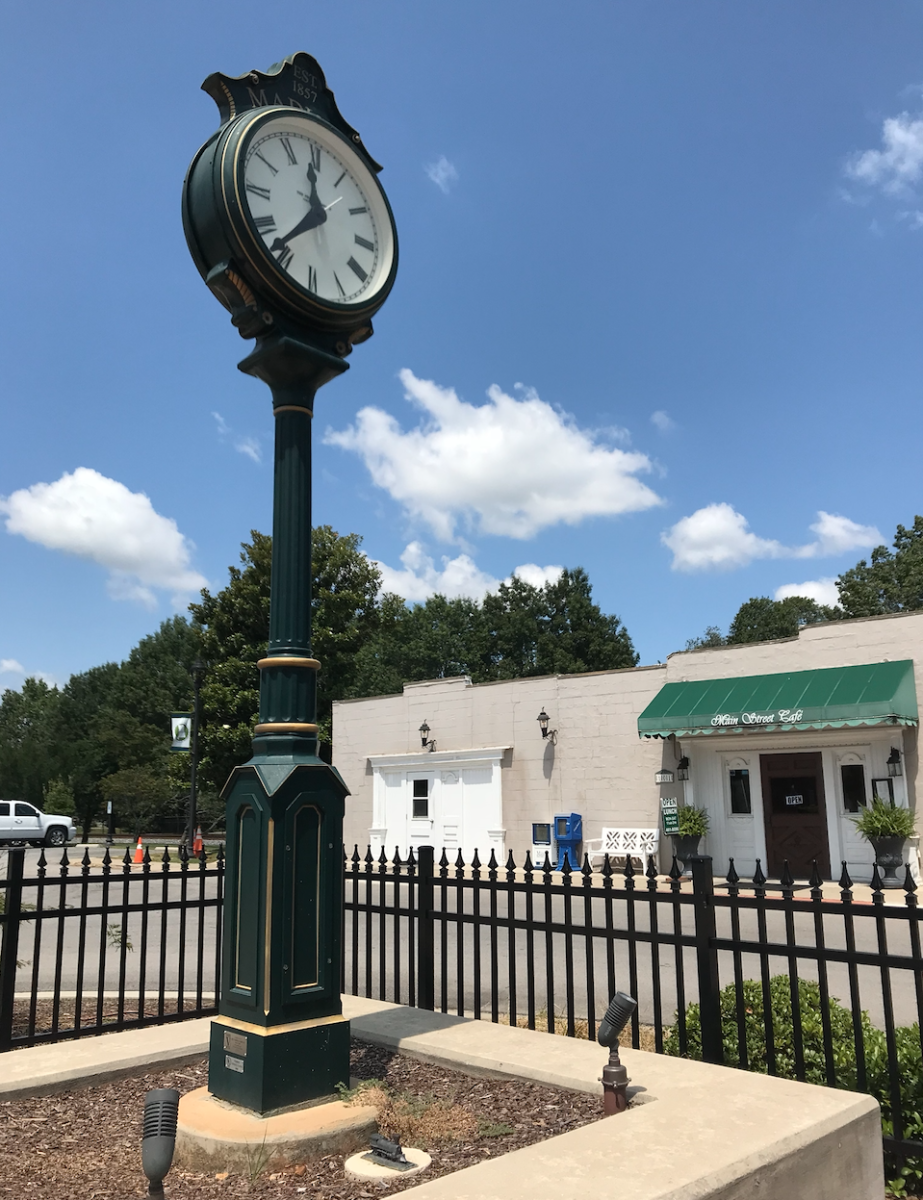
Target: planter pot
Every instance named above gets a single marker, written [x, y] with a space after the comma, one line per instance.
[684, 847]
[889, 855]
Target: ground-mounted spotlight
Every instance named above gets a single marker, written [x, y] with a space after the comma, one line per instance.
[615, 1076]
[158, 1138]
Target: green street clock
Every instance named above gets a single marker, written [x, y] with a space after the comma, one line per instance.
[282, 207]
[289, 227]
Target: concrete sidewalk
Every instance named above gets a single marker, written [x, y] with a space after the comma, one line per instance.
[695, 1131]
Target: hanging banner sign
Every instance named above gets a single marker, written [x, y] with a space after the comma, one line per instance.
[182, 731]
[669, 814]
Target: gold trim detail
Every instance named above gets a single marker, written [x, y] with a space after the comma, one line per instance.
[272, 1030]
[289, 660]
[270, 838]
[231, 105]
[293, 408]
[246, 295]
[311, 983]
[242, 813]
[286, 727]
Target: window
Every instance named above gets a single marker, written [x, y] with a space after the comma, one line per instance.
[853, 777]
[420, 799]
[25, 810]
[4, 808]
[740, 791]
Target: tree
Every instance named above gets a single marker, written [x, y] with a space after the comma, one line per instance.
[761, 619]
[711, 637]
[29, 756]
[891, 582]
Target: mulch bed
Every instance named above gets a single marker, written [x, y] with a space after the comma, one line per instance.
[85, 1144]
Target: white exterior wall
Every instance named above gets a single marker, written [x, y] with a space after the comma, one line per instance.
[597, 765]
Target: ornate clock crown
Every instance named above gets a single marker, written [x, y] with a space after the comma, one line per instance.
[295, 82]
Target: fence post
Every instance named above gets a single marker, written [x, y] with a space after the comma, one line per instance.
[703, 889]
[426, 964]
[10, 947]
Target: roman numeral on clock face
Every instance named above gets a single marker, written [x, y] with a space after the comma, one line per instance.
[263, 159]
[337, 182]
[262, 192]
[354, 212]
[361, 241]
[265, 224]
[357, 270]
[339, 285]
[286, 254]
[312, 279]
[287, 147]
[315, 157]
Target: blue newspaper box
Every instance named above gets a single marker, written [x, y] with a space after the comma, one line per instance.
[568, 833]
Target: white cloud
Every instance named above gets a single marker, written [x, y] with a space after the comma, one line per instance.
[243, 444]
[822, 591]
[99, 519]
[719, 538]
[443, 173]
[510, 467]
[663, 421]
[716, 538]
[11, 666]
[837, 535]
[897, 166]
[461, 576]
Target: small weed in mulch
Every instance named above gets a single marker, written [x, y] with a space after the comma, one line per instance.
[85, 1145]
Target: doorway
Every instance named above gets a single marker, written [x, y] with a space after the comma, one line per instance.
[795, 814]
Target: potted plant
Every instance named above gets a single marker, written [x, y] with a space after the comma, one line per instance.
[693, 826]
[887, 828]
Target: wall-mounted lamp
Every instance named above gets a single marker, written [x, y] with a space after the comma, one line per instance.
[895, 770]
[682, 769]
[664, 776]
[543, 720]
[431, 742]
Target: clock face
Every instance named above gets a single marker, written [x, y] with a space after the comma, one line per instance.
[317, 210]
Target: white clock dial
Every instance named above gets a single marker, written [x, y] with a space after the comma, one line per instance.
[317, 210]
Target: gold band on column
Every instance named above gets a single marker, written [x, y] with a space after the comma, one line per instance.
[290, 660]
[293, 408]
[285, 727]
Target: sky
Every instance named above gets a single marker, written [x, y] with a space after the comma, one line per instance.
[657, 315]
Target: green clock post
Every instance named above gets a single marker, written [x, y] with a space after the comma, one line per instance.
[289, 227]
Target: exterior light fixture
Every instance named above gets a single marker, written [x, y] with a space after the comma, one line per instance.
[424, 739]
[682, 769]
[895, 770]
[615, 1076]
[664, 776]
[543, 720]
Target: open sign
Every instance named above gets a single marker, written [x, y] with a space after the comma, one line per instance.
[793, 800]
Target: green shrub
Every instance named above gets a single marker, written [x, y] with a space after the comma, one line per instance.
[693, 822]
[902, 1178]
[884, 820]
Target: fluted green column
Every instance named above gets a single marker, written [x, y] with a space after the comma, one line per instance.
[280, 1039]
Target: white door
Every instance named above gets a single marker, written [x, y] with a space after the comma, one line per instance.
[421, 801]
[26, 823]
[395, 806]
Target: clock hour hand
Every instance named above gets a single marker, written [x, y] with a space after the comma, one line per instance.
[316, 215]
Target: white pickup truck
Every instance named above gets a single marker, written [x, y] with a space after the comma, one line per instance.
[21, 824]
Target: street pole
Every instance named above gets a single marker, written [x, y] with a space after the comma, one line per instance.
[110, 824]
[198, 669]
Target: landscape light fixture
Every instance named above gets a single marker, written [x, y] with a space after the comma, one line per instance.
[615, 1076]
[895, 770]
[664, 776]
[543, 720]
[424, 731]
[158, 1137]
[682, 769]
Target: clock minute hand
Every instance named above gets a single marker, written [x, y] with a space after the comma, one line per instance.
[316, 215]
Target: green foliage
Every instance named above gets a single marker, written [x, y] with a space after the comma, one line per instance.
[27, 741]
[761, 619]
[59, 799]
[891, 582]
[693, 822]
[711, 637]
[909, 1082]
[881, 819]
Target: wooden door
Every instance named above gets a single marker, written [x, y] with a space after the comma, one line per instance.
[795, 813]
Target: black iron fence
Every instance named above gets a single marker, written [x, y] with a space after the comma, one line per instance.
[802, 980]
[89, 949]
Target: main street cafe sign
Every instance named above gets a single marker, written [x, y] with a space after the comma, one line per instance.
[882, 693]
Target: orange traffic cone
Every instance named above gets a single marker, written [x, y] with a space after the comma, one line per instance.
[197, 841]
[139, 851]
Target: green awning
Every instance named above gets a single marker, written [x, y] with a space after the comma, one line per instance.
[831, 698]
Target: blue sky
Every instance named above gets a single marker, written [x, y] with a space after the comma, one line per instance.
[658, 312]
